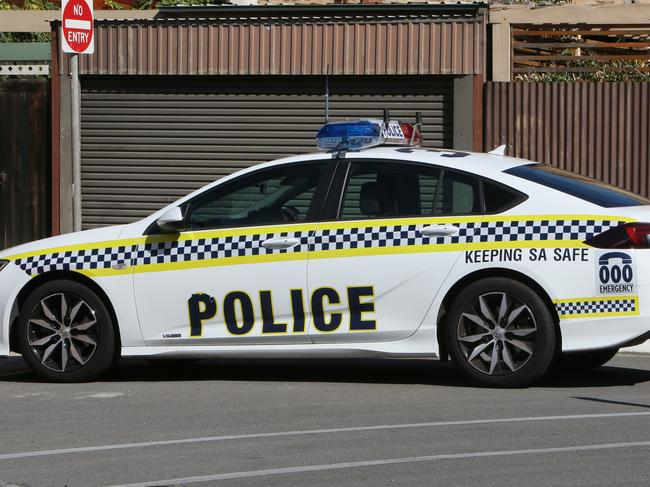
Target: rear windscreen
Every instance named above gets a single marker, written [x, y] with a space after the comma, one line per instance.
[590, 190]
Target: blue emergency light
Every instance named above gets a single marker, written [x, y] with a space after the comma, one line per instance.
[349, 135]
[361, 134]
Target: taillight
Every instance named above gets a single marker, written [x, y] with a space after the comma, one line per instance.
[626, 236]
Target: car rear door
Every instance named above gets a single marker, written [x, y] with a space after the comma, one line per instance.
[395, 231]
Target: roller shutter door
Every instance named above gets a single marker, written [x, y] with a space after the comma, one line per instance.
[147, 142]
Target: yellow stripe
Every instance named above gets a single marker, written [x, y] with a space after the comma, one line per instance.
[508, 218]
[600, 315]
[300, 227]
[635, 298]
[72, 248]
[332, 254]
[459, 219]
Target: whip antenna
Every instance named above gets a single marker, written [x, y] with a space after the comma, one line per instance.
[327, 94]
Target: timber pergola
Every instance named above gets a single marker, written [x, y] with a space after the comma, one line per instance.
[501, 18]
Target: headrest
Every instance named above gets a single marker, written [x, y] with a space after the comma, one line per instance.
[374, 199]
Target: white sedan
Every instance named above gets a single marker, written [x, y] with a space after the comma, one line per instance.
[501, 264]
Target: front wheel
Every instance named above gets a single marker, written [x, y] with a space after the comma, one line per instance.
[65, 333]
[500, 333]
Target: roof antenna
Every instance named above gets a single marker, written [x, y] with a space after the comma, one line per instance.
[327, 94]
[386, 116]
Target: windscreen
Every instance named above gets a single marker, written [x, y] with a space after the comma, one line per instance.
[590, 190]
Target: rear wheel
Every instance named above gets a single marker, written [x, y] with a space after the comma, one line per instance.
[65, 333]
[580, 361]
[500, 333]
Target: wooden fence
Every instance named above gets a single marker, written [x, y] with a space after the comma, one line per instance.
[600, 130]
[24, 160]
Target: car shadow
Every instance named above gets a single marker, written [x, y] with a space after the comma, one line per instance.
[604, 376]
[397, 371]
[366, 371]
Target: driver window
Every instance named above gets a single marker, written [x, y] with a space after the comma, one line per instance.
[274, 196]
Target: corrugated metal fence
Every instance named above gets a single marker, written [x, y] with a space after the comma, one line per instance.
[24, 160]
[600, 130]
[291, 47]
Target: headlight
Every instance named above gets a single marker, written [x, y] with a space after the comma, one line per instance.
[3, 264]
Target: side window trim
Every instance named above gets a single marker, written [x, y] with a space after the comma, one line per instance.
[438, 187]
[334, 202]
[326, 187]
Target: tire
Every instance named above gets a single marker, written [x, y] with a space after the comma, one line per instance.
[488, 354]
[587, 360]
[78, 346]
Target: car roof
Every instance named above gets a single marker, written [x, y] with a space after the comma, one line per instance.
[473, 162]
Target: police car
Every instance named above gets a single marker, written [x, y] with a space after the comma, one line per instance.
[370, 247]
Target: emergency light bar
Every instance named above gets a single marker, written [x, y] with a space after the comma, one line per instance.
[354, 136]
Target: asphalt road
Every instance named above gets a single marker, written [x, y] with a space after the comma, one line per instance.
[260, 423]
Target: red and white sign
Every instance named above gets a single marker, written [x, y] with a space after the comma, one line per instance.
[77, 23]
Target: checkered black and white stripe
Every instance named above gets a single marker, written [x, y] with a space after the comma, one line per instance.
[508, 231]
[214, 248]
[382, 236]
[158, 253]
[323, 240]
[497, 231]
[76, 260]
[609, 305]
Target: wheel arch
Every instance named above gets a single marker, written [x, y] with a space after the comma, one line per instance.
[41, 279]
[482, 274]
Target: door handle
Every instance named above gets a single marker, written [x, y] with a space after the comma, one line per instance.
[280, 243]
[438, 230]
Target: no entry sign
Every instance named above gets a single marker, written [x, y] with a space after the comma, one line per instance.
[77, 23]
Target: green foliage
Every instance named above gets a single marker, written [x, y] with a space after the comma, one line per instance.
[29, 5]
[184, 3]
[24, 37]
[610, 71]
[113, 5]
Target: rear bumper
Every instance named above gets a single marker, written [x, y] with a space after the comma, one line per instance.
[595, 333]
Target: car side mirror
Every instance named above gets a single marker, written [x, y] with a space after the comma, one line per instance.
[171, 221]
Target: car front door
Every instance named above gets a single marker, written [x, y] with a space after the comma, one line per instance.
[375, 269]
[237, 272]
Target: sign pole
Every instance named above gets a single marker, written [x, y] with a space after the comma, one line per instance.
[75, 110]
[77, 28]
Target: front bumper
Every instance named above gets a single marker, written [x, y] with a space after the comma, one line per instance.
[12, 280]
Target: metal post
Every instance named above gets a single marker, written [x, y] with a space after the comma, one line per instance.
[75, 98]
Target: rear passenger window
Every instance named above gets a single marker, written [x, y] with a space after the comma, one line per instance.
[499, 198]
[385, 189]
[458, 195]
[378, 190]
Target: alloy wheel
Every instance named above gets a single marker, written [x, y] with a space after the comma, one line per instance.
[497, 333]
[62, 332]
